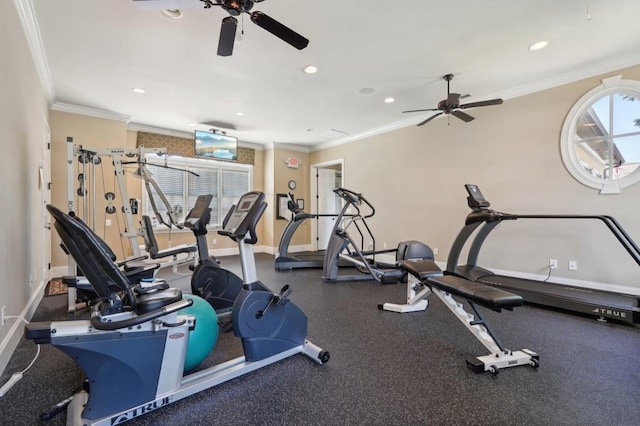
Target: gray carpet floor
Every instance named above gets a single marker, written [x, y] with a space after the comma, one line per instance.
[385, 368]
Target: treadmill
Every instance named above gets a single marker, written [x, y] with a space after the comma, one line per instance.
[605, 305]
[302, 259]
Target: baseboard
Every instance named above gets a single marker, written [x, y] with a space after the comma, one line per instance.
[59, 271]
[299, 248]
[13, 338]
[593, 285]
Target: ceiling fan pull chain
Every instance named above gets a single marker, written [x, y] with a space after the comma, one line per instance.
[588, 12]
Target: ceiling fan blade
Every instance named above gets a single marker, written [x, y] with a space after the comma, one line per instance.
[453, 98]
[430, 118]
[279, 30]
[421, 110]
[227, 36]
[482, 103]
[462, 116]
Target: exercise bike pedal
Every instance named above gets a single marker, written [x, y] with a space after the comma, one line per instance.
[278, 299]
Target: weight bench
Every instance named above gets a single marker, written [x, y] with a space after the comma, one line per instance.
[151, 246]
[426, 277]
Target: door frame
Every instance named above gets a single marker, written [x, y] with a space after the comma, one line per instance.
[45, 198]
[313, 171]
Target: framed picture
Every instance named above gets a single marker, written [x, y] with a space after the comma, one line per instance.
[300, 203]
[282, 211]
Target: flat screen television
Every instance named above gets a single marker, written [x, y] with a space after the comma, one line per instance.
[215, 146]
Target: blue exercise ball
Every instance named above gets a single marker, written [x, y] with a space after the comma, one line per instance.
[203, 338]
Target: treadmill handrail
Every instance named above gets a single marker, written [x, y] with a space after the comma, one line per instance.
[616, 229]
[491, 218]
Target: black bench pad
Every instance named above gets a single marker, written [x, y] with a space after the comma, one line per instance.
[482, 294]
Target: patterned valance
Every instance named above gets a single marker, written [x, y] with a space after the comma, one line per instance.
[184, 146]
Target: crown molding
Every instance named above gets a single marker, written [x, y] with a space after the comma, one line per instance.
[29, 23]
[137, 127]
[291, 147]
[566, 78]
[367, 133]
[593, 70]
[91, 112]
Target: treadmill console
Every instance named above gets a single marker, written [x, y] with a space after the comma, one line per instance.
[244, 216]
[475, 199]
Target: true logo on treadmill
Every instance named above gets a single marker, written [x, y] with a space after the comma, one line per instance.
[176, 336]
[140, 410]
[610, 312]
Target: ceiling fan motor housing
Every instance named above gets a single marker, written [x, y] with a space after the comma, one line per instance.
[236, 7]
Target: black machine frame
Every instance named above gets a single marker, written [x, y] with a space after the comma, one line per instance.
[343, 248]
[603, 304]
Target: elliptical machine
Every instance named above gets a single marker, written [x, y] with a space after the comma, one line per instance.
[209, 281]
[134, 347]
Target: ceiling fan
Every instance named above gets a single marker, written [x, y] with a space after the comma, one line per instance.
[452, 106]
[230, 23]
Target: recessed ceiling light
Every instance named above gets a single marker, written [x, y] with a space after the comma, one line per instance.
[172, 13]
[240, 114]
[389, 100]
[311, 69]
[139, 90]
[538, 46]
[193, 124]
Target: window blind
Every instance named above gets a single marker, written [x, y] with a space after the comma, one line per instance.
[225, 182]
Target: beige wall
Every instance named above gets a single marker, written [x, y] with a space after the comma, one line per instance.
[282, 174]
[269, 215]
[415, 178]
[23, 126]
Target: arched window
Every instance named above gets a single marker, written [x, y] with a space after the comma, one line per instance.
[600, 141]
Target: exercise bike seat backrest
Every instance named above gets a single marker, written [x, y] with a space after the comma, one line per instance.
[133, 268]
[104, 275]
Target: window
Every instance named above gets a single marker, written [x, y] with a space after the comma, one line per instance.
[225, 181]
[600, 141]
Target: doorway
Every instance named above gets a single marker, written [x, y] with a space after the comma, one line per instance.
[324, 178]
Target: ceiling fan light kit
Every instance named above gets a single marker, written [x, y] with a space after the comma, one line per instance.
[451, 105]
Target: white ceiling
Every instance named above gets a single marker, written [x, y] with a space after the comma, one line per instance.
[98, 50]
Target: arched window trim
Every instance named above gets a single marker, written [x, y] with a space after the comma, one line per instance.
[567, 149]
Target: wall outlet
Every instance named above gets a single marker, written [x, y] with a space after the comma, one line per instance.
[553, 263]
[3, 313]
[573, 265]
[384, 246]
[214, 241]
[107, 222]
[435, 251]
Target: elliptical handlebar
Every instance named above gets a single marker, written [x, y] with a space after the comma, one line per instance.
[354, 199]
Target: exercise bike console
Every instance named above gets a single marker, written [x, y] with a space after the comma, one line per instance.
[244, 216]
